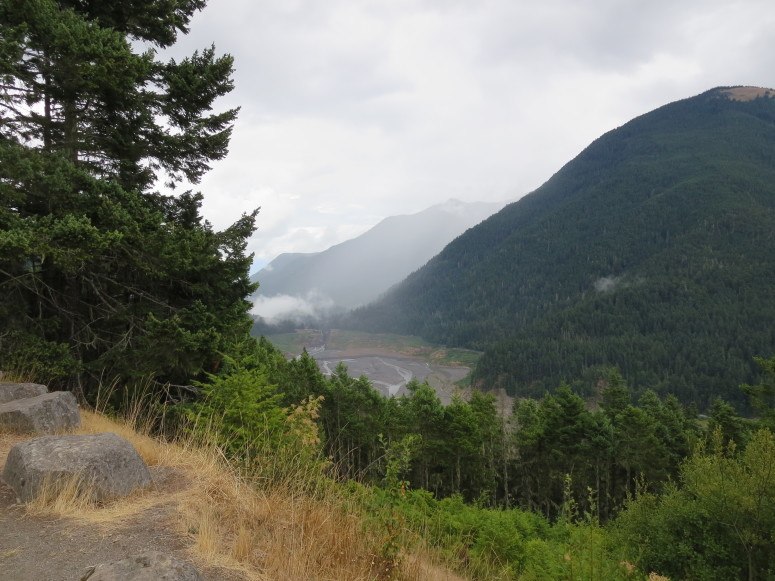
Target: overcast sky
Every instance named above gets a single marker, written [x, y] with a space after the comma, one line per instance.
[356, 110]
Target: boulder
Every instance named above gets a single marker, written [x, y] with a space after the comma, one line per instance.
[105, 465]
[43, 414]
[152, 566]
[12, 391]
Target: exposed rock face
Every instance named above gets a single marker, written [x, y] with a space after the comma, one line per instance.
[106, 465]
[43, 414]
[151, 566]
[12, 391]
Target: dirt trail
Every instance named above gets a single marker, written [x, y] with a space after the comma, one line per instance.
[34, 548]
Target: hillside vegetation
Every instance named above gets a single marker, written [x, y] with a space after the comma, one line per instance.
[653, 250]
[278, 520]
[285, 474]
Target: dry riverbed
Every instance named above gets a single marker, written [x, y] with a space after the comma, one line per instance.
[390, 372]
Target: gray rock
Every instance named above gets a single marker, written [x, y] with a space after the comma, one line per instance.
[150, 566]
[106, 465]
[11, 391]
[44, 414]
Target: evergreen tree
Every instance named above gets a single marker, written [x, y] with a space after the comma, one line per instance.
[99, 273]
[426, 416]
[762, 395]
[727, 422]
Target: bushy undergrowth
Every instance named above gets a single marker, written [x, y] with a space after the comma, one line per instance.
[715, 519]
[496, 544]
[241, 412]
[716, 523]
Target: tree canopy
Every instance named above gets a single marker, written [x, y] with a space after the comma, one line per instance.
[100, 272]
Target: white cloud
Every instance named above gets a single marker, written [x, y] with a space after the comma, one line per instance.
[607, 283]
[286, 307]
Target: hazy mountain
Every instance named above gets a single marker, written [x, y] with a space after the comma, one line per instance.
[653, 250]
[360, 270]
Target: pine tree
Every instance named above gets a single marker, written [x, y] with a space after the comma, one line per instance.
[99, 272]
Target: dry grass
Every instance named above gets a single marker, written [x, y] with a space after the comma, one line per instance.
[421, 566]
[748, 93]
[7, 441]
[17, 376]
[289, 527]
[285, 530]
[8, 553]
[63, 497]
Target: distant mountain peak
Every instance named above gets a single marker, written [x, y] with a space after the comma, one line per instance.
[746, 93]
[359, 270]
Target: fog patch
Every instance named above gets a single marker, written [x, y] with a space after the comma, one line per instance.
[454, 207]
[607, 283]
[279, 308]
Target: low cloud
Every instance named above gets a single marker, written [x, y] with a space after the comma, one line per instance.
[280, 308]
[607, 283]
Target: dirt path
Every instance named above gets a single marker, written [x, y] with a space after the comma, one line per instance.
[35, 548]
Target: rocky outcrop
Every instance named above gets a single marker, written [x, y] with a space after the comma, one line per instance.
[11, 391]
[151, 566]
[43, 414]
[105, 466]
[102, 466]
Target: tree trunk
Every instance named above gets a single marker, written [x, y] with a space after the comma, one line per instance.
[70, 130]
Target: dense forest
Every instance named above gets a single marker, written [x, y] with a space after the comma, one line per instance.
[651, 251]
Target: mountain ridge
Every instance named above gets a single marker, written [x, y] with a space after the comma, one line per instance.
[358, 270]
[677, 203]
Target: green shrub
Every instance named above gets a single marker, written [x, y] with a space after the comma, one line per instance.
[241, 410]
[717, 524]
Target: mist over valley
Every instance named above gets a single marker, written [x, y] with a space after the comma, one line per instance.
[312, 286]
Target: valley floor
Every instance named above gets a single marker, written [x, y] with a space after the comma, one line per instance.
[388, 361]
[390, 372]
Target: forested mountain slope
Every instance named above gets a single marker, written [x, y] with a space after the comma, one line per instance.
[653, 250]
[359, 270]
